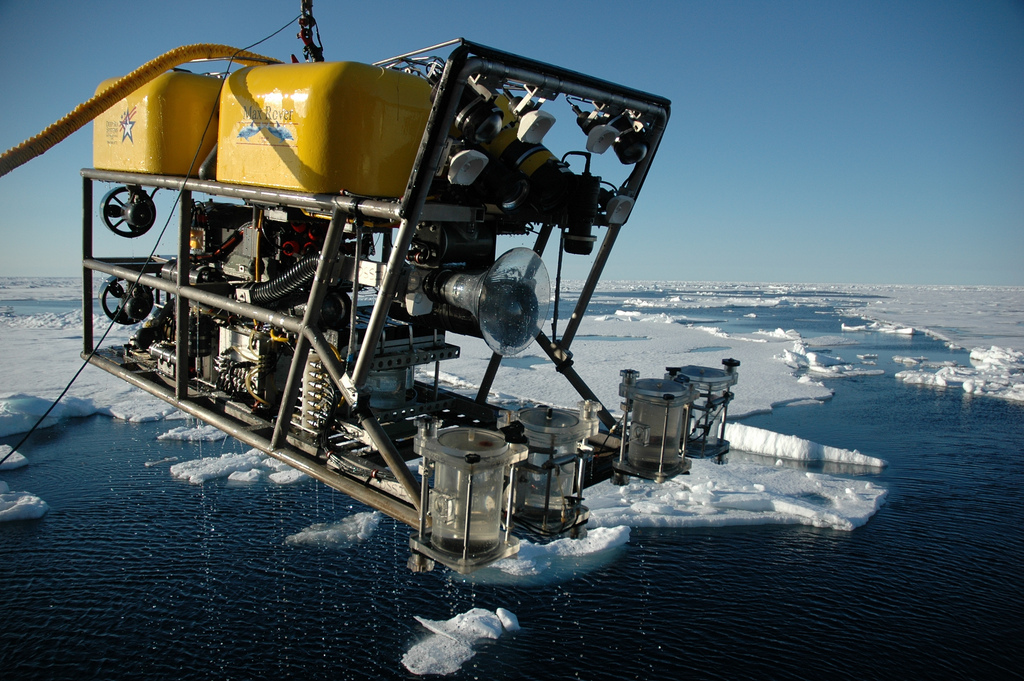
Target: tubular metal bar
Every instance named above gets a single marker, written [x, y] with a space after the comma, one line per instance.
[396, 508]
[557, 355]
[323, 203]
[600, 260]
[428, 157]
[87, 339]
[394, 460]
[386, 293]
[328, 254]
[544, 77]
[181, 307]
[327, 356]
[286, 322]
[392, 60]
[469, 516]
[291, 391]
[488, 379]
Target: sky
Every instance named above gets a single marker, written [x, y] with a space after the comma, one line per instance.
[839, 142]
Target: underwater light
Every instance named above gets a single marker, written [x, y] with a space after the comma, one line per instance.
[509, 301]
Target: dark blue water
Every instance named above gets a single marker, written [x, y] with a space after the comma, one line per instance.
[133, 574]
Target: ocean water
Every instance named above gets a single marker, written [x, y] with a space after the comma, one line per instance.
[134, 574]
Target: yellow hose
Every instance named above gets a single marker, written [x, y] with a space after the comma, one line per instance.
[118, 90]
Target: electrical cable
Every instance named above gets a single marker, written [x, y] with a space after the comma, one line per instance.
[149, 259]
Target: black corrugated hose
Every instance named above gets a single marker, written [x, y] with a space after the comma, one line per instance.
[297, 276]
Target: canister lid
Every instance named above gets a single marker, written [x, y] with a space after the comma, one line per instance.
[659, 388]
[707, 377]
[484, 443]
[548, 420]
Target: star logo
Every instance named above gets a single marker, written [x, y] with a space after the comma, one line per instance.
[127, 124]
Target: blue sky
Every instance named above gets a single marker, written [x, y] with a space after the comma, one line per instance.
[846, 142]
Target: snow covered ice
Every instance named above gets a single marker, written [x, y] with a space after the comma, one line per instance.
[247, 467]
[714, 495]
[203, 433]
[450, 643]
[342, 534]
[994, 372]
[20, 505]
[11, 459]
[776, 445]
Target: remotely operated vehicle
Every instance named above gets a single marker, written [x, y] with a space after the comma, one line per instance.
[340, 223]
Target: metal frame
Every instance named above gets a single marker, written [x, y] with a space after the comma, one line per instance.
[401, 500]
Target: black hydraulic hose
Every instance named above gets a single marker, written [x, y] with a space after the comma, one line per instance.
[297, 276]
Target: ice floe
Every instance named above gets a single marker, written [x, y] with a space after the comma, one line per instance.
[19, 412]
[203, 433]
[157, 462]
[994, 372]
[822, 364]
[9, 459]
[539, 563]
[20, 505]
[736, 494]
[450, 643]
[198, 471]
[342, 534]
[776, 445]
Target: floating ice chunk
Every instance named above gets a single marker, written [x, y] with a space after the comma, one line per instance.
[715, 496]
[166, 459]
[469, 626]
[891, 328]
[822, 364]
[770, 443]
[451, 643]
[909, 361]
[252, 475]
[437, 654]
[998, 357]
[995, 372]
[867, 356]
[20, 505]
[854, 327]
[287, 477]
[19, 412]
[779, 334]
[818, 359]
[11, 460]
[508, 620]
[207, 468]
[349, 531]
[203, 433]
[556, 558]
